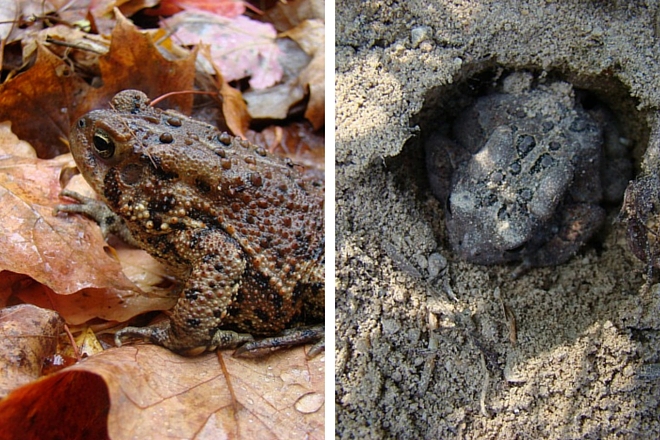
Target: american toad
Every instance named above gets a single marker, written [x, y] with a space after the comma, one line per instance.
[525, 166]
[241, 229]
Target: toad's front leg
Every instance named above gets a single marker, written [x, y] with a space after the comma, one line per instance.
[108, 221]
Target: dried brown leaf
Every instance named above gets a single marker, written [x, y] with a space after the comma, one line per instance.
[70, 405]
[58, 40]
[153, 393]
[314, 77]
[297, 141]
[273, 102]
[101, 10]
[43, 101]
[11, 145]
[135, 62]
[289, 14]
[17, 18]
[29, 334]
[310, 35]
[39, 103]
[66, 255]
[276, 102]
[234, 108]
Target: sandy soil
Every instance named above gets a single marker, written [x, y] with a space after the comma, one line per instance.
[425, 343]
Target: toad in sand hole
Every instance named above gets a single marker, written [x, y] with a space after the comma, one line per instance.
[526, 166]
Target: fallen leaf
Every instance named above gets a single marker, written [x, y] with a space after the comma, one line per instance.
[11, 145]
[58, 40]
[68, 258]
[43, 101]
[297, 141]
[314, 77]
[67, 405]
[303, 61]
[240, 47]
[276, 102]
[273, 102]
[226, 8]
[9, 14]
[310, 35]
[76, 13]
[289, 14]
[146, 391]
[87, 344]
[135, 62]
[234, 108]
[39, 101]
[17, 18]
[130, 7]
[101, 10]
[29, 335]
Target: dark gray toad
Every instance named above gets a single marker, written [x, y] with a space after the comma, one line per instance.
[526, 175]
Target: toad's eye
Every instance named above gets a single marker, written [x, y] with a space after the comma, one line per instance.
[104, 146]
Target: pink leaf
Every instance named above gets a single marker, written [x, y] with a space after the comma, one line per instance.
[240, 47]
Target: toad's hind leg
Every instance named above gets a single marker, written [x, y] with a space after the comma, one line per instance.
[205, 300]
[578, 222]
[288, 338]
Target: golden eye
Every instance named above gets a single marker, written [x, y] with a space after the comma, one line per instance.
[103, 144]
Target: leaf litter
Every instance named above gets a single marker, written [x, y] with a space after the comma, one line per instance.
[53, 72]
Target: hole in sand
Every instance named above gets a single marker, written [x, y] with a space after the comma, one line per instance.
[524, 160]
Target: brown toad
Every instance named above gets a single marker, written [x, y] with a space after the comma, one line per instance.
[525, 165]
[242, 230]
